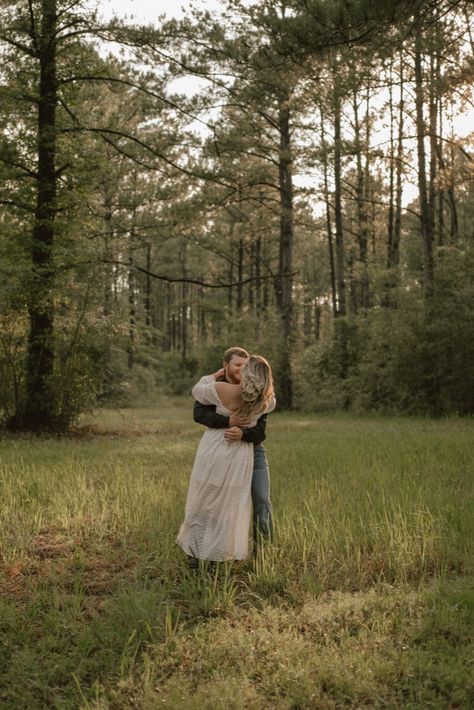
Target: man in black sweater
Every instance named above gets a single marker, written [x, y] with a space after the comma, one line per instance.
[235, 430]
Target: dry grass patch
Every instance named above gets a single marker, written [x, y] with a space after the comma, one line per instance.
[341, 650]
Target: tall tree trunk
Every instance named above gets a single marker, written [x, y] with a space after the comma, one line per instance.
[184, 305]
[353, 285]
[433, 139]
[426, 223]
[148, 318]
[307, 323]
[340, 255]
[174, 331]
[362, 207]
[332, 266]
[251, 285]
[439, 146]
[167, 329]
[307, 303]
[266, 283]
[285, 277]
[230, 291]
[391, 203]
[108, 235]
[240, 271]
[157, 312]
[368, 203]
[396, 189]
[454, 229]
[397, 227]
[132, 307]
[317, 321]
[184, 319]
[202, 326]
[39, 408]
[258, 283]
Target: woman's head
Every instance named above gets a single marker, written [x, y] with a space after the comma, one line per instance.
[256, 385]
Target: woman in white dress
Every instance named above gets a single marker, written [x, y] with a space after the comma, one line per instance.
[218, 505]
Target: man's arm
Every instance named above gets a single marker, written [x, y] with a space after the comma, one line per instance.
[206, 414]
[256, 434]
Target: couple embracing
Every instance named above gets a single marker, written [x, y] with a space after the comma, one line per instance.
[230, 471]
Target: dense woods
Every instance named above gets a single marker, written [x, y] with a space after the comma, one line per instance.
[291, 177]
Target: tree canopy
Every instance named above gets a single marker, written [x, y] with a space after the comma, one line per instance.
[310, 198]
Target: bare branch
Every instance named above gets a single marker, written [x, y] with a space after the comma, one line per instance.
[198, 282]
[126, 82]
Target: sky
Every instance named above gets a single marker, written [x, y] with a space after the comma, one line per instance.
[149, 10]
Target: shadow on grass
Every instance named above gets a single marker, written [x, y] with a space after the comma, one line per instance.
[99, 614]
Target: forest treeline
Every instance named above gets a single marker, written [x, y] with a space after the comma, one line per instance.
[240, 178]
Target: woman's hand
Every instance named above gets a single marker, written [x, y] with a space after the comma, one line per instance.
[219, 373]
[233, 434]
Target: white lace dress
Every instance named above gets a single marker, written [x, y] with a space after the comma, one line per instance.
[218, 505]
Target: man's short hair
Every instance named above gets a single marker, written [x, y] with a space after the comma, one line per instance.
[238, 352]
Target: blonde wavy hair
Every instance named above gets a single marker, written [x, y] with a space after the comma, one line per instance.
[256, 385]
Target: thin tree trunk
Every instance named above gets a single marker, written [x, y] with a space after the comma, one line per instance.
[168, 320]
[317, 321]
[364, 235]
[132, 308]
[433, 124]
[397, 227]
[184, 319]
[184, 306]
[439, 94]
[202, 327]
[340, 255]
[307, 323]
[230, 291]
[240, 273]
[426, 224]
[157, 314]
[266, 283]
[258, 283]
[251, 285]
[307, 305]
[332, 267]
[451, 191]
[362, 207]
[285, 277]
[391, 204]
[353, 299]
[148, 318]
[395, 214]
[174, 331]
[39, 409]
[108, 234]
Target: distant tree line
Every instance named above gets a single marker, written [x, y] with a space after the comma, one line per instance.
[143, 229]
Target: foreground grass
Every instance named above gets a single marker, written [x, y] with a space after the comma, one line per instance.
[366, 600]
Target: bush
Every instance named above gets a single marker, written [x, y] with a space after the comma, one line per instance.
[415, 358]
[324, 372]
[13, 329]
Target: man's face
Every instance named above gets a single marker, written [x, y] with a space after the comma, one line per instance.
[233, 368]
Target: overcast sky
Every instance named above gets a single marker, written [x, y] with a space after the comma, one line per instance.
[149, 10]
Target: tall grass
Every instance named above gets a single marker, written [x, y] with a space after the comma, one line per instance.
[372, 562]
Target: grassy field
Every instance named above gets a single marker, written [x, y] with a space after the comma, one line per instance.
[366, 599]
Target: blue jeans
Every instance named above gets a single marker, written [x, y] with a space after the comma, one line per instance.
[262, 508]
